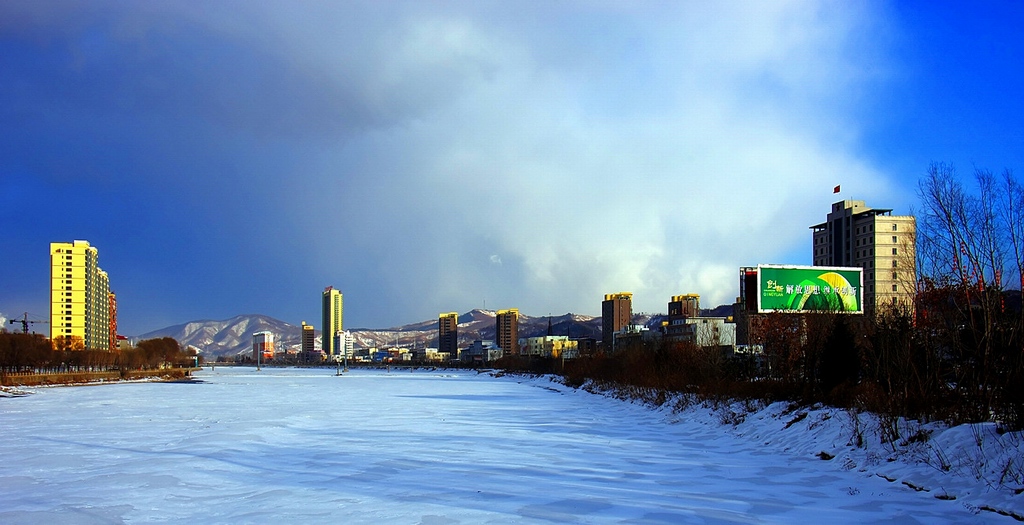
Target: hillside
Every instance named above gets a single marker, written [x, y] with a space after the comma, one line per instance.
[229, 336]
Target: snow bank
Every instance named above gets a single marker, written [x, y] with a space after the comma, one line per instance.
[978, 465]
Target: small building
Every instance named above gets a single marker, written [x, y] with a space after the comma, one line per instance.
[703, 331]
[553, 346]
[633, 336]
[481, 352]
[344, 344]
[263, 346]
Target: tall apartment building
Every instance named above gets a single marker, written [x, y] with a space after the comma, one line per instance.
[308, 340]
[448, 334]
[506, 330]
[881, 243]
[616, 314]
[332, 310]
[80, 299]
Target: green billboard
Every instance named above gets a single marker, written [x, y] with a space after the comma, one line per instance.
[809, 289]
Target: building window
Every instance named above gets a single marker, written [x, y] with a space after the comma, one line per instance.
[895, 264]
[894, 275]
[894, 287]
[894, 251]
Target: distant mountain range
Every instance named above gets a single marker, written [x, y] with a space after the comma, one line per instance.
[233, 336]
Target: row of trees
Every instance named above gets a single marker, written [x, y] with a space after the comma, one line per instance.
[35, 353]
[957, 354]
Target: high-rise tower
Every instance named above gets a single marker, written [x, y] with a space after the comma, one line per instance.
[616, 314]
[308, 340]
[331, 319]
[80, 304]
[448, 334]
[875, 240]
[506, 330]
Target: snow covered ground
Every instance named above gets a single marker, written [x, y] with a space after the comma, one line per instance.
[433, 447]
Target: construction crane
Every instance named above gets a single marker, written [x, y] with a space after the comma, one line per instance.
[25, 321]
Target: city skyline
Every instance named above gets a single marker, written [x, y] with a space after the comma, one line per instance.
[429, 157]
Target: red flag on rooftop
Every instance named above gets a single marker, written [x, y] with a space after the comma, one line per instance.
[835, 190]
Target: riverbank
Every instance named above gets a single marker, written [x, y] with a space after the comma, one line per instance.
[79, 378]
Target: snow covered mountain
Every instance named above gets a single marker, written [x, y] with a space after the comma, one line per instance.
[230, 336]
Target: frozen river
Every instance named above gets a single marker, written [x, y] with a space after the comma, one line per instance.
[304, 446]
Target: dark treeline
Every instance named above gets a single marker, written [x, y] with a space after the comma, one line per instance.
[948, 365]
[956, 355]
[35, 353]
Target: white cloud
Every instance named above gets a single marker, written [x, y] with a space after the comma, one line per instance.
[720, 154]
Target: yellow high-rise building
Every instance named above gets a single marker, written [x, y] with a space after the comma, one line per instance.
[79, 297]
[331, 318]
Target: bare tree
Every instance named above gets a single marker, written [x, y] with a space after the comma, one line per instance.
[967, 241]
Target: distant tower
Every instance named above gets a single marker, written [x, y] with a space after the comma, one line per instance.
[506, 330]
[79, 296]
[616, 314]
[308, 339]
[875, 240]
[448, 334]
[331, 319]
[684, 306]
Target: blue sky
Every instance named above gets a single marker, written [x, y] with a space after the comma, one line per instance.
[237, 157]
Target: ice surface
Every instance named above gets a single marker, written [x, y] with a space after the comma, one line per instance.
[305, 446]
